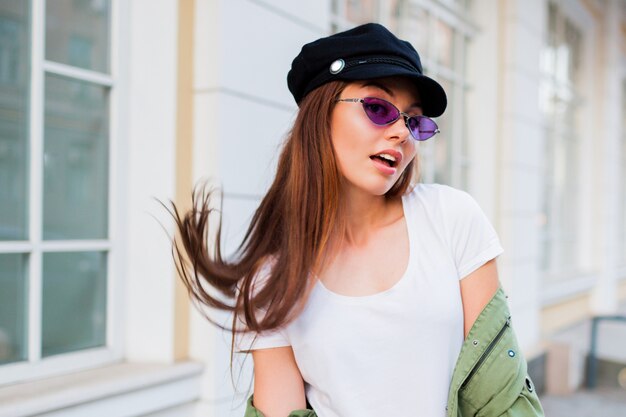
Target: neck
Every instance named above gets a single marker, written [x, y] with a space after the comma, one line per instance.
[364, 214]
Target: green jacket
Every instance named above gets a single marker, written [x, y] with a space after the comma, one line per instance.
[490, 378]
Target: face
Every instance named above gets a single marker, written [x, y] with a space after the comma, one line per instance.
[357, 140]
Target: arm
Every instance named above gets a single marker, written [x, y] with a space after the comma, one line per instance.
[278, 384]
[476, 291]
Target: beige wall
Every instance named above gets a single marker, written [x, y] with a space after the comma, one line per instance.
[184, 145]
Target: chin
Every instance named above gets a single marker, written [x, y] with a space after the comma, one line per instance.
[373, 184]
[376, 189]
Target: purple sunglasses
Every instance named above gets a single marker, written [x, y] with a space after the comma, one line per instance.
[382, 113]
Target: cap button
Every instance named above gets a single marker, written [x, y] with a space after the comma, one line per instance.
[337, 66]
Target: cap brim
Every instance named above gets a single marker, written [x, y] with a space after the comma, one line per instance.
[433, 96]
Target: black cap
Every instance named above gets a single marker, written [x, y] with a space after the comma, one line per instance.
[365, 52]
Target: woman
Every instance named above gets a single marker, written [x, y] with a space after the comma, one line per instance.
[355, 288]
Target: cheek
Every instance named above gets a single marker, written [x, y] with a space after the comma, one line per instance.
[410, 153]
[345, 136]
[337, 139]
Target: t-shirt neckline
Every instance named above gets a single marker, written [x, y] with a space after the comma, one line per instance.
[397, 284]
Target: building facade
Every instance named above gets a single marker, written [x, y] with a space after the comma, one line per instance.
[108, 107]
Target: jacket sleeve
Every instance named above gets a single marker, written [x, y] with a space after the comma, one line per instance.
[526, 404]
[251, 411]
[501, 385]
[491, 378]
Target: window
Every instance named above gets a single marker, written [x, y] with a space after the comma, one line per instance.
[440, 33]
[14, 98]
[622, 201]
[560, 101]
[55, 239]
[355, 12]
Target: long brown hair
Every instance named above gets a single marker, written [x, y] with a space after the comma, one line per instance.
[292, 226]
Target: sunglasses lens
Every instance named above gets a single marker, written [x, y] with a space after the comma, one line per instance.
[422, 127]
[379, 111]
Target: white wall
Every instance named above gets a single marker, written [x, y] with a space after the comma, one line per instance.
[506, 144]
[151, 143]
[609, 115]
[243, 109]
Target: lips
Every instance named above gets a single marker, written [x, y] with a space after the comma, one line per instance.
[389, 157]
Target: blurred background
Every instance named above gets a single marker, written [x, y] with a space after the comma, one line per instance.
[108, 105]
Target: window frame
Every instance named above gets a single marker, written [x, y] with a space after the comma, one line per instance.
[455, 15]
[622, 186]
[562, 282]
[34, 247]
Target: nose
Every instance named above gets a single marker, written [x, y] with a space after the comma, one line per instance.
[398, 130]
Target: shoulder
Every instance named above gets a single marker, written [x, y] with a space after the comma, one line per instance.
[260, 277]
[456, 213]
[441, 196]
[434, 189]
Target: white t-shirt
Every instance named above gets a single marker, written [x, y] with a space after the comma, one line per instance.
[393, 353]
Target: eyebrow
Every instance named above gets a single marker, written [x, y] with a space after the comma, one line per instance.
[387, 90]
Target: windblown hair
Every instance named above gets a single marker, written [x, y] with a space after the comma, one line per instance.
[293, 226]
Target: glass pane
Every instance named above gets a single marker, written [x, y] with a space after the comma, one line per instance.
[559, 95]
[14, 103]
[13, 308]
[85, 42]
[73, 302]
[462, 4]
[546, 219]
[443, 140]
[444, 44]
[573, 37]
[622, 201]
[464, 145]
[397, 14]
[362, 11]
[414, 27]
[464, 180]
[75, 160]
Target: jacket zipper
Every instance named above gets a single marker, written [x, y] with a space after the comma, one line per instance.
[486, 352]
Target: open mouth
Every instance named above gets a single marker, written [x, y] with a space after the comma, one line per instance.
[388, 160]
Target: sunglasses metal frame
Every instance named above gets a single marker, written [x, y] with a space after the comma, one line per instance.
[406, 116]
